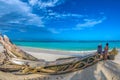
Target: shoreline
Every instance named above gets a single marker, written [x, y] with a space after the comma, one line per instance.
[109, 68]
[52, 55]
[50, 49]
[72, 46]
[36, 49]
[57, 49]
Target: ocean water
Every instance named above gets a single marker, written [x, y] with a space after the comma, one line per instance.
[70, 46]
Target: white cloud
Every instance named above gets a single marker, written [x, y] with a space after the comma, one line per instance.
[8, 6]
[33, 2]
[52, 14]
[15, 13]
[3, 31]
[18, 12]
[90, 23]
[69, 15]
[54, 31]
[45, 3]
[58, 15]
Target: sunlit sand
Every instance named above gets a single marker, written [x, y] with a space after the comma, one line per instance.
[104, 70]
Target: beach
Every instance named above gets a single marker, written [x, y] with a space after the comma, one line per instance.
[59, 40]
[51, 54]
[103, 70]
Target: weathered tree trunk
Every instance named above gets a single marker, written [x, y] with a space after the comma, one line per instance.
[14, 51]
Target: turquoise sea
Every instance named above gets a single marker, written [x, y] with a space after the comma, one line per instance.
[71, 46]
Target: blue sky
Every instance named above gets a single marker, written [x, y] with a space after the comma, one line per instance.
[60, 19]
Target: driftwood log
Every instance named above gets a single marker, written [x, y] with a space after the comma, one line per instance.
[13, 59]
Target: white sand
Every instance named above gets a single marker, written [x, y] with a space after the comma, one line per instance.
[104, 70]
[52, 55]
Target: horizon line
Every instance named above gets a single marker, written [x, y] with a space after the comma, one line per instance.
[65, 40]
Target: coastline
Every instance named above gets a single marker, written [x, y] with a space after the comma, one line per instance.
[104, 70]
[52, 55]
[67, 46]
